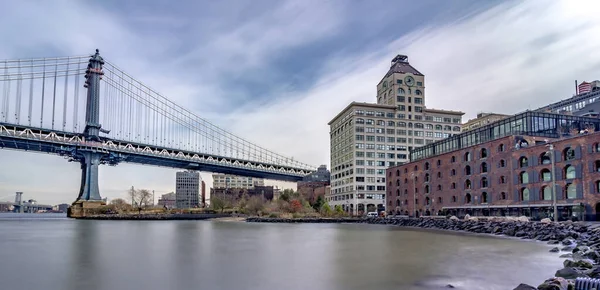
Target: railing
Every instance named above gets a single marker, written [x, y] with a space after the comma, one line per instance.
[587, 284]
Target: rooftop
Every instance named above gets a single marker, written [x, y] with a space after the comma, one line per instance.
[400, 65]
[450, 112]
[361, 104]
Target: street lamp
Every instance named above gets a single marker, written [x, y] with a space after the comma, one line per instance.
[414, 178]
[551, 147]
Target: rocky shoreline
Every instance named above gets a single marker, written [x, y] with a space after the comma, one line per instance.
[579, 243]
[155, 217]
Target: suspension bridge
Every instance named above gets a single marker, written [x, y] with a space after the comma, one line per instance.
[88, 110]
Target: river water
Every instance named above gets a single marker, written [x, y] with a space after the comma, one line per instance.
[53, 252]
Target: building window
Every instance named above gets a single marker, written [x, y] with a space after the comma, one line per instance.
[468, 170]
[484, 182]
[439, 175]
[456, 128]
[503, 196]
[397, 192]
[524, 194]
[483, 153]
[546, 175]
[454, 198]
[484, 168]
[598, 186]
[502, 180]
[439, 187]
[523, 177]
[405, 180]
[426, 165]
[401, 91]
[570, 172]
[569, 154]
[546, 193]
[597, 165]
[523, 162]
[468, 156]
[467, 184]
[484, 197]
[597, 147]
[426, 188]
[453, 159]
[440, 200]
[427, 177]
[452, 172]
[453, 186]
[468, 198]
[571, 191]
[501, 148]
[502, 163]
[545, 158]
[439, 162]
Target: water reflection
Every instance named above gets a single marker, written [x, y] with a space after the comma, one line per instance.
[103, 255]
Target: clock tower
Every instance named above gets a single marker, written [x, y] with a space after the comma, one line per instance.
[403, 86]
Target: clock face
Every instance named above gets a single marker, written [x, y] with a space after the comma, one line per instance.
[409, 81]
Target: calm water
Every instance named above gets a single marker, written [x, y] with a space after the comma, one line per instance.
[63, 254]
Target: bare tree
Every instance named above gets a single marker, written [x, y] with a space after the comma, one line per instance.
[220, 202]
[140, 198]
[120, 204]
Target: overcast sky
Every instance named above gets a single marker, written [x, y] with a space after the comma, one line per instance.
[275, 72]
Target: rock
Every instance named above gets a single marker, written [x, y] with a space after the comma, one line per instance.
[546, 221]
[581, 249]
[552, 242]
[523, 219]
[578, 264]
[554, 250]
[568, 248]
[569, 255]
[525, 287]
[467, 217]
[567, 242]
[449, 286]
[568, 273]
[557, 283]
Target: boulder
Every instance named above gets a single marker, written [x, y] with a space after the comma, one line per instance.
[569, 255]
[568, 273]
[467, 217]
[567, 242]
[557, 283]
[546, 221]
[568, 248]
[523, 219]
[578, 264]
[554, 250]
[453, 218]
[525, 287]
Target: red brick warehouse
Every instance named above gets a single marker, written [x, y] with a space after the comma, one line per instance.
[504, 169]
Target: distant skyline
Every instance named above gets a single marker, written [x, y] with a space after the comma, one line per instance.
[275, 72]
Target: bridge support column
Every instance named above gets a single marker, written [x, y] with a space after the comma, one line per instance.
[89, 192]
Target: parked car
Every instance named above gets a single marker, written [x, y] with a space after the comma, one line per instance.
[372, 214]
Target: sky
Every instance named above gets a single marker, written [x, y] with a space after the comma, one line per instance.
[276, 72]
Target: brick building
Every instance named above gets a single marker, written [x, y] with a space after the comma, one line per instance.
[504, 168]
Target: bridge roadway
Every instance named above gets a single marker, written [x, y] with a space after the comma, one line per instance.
[26, 138]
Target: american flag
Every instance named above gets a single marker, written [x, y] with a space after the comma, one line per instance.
[584, 88]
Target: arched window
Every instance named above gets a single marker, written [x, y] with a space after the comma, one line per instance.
[406, 201]
[438, 127]
[452, 172]
[568, 154]
[405, 170]
[468, 156]
[523, 162]
[503, 196]
[546, 175]
[385, 84]
[524, 194]
[390, 203]
[401, 91]
[405, 191]
[398, 172]
[453, 159]
[453, 186]
[597, 147]
[484, 182]
[597, 186]
[524, 177]
[597, 165]
[502, 163]
[467, 184]
[501, 148]
[427, 201]
[440, 200]
[502, 179]
[484, 197]
[397, 192]
[410, 125]
[418, 92]
[426, 188]
[426, 165]
[402, 124]
[467, 170]
[545, 158]
[456, 128]
[416, 168]
[390, 183]
[483, 153]
[439, 187]
[454, 198]
[427, 177]
[398, 182]
[390, 174]
[468, 198]
[571, 191]
[439, 162]
[439, 174]
[546, 193]
[397, 202]
[360, 121]
[484, 167]
[405, 180]
[570, 172]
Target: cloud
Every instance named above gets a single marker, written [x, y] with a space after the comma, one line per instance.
[508, 58]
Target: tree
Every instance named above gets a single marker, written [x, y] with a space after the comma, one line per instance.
[325, 209]
[255, 204]
[319, 203]
[140, 198]
[220, 202]
[120, 204]
[339, 210]
[295, 206]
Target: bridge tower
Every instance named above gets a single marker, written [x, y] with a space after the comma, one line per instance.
[90, 158]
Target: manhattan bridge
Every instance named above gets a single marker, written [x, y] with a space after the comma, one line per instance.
[90, 111]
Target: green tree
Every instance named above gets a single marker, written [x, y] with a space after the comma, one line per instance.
[319, 203]
[339, 210]
[325, 209]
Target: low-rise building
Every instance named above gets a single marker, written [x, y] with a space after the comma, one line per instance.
[510, 167]
[167, 200]
[482, 120]
[313, 185]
